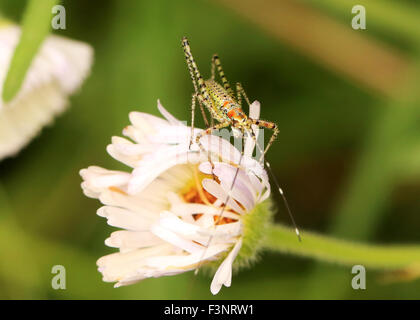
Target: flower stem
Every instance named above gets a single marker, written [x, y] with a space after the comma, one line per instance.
[36, 24]
[385, 257]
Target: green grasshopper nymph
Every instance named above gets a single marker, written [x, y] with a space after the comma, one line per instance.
[223, 106]
[221, 102]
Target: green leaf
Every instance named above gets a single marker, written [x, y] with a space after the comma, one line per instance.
[36, 25]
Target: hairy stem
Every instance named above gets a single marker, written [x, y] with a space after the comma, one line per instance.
[385, 257]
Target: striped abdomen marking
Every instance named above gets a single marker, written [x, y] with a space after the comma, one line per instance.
[236, 114]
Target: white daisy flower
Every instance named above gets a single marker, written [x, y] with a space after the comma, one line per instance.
[57, 71]
[169, 205]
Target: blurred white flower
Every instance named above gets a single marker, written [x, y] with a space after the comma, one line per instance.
[57, 71]
[169, 205]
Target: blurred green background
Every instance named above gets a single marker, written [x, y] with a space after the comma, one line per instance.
[348, 154]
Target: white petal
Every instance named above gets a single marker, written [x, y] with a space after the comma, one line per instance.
[217, 191]
[175, 239]
[188, 262]
[173, 229]
[57, 70]
[223, 274]
[225, 231]
[151, 168]
[207, 221]
[242, 191]
[183, 209]
[148, 208]
[126, 219]
[191, 231]
[254, 113]
[170, 221]
[146, 123]
[129, 266]
[170, 135]
[221, 147]
[97, 180]
[125, 151]
[254, 110]
[129, 148]
[134, 134]
[256, 183]
[132, 239]
[172, 120]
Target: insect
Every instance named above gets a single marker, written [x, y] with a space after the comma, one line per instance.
[223, 106]
[221, 102]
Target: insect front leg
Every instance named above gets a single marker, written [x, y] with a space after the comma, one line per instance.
[267, 125]
[241, 92]
[207, 132]
[203, 113]
[196, 97]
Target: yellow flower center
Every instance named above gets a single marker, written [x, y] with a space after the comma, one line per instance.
[195, 193]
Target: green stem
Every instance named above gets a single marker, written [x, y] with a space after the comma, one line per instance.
[36, 25]
[385, 257]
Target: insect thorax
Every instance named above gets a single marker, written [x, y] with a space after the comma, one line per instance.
[217, 93]
[223, 104]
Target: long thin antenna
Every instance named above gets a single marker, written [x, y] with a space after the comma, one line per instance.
[286, 203]
[229, 195]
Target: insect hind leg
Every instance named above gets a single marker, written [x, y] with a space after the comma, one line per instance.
[198, 82]
[240, 92]
[216, 64]
[190, 63]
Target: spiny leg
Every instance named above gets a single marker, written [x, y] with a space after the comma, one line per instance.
[202, 103]
[213, 69]
[196, 97]
[200, 92]
[215, 63]
[203, 113]
[241, 92]
[193, 101]
[192, 118]
[191, 70]
[268, 125]
[199, 87]
[211, 121]
[207, 132]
